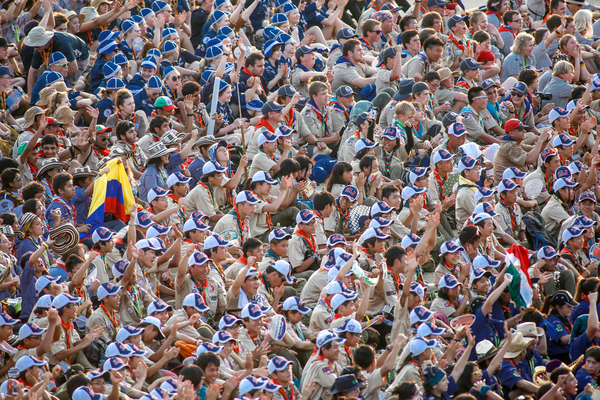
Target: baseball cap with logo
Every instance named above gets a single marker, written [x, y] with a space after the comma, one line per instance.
[165, 103]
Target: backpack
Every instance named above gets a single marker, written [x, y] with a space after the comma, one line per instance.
[95, 352]
[535, 230]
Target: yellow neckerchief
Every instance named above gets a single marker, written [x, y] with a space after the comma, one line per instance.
[464, 181]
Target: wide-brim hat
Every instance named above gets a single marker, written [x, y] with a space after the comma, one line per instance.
[84, 172]
[518, 344]
[90, 13]
[66, 237]
[38, 37]
[158, 150]
[64, 114]
[172, 137]
[31, 114]
[70, 14]
[96, 3]
[48, 164]
[205, 141]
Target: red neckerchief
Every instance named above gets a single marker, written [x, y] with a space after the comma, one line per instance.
[511, 361]
[282, 391]
[440, 181]
[241, 222]
[186, 240]
[101, 153]
[119, 119]
[112, 317]
[451, 269]
[574, 132]
[396, 277]
[497, 14]
[268, 214]
[563, 162]
[366, 42]
[32, 168]
[266, 124]
[418, 367]
[567, 250]
[60, 264]
[248, 72]
[459, 43]
[322, 358]
[549, 178]
[504, 28]
[367, 252]
[290, 118]
[24, 382]
[511, 211]
[310, 240]
[318, 214]
[337, 316]
[67, 327]
[349, 353]
[326, 301]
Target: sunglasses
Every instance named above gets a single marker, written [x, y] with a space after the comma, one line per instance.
[516, 94]
[104, 139]
[63, 65]
[176, 78]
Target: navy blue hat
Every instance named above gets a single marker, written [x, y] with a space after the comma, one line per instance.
[278, 363]
[168, 71]
[483, 193]
[145, 12]
[127, 25]
[404, 89]
[115, 83]
[466, 162]
[213, 52]
[488, 83]
[110, 69]
[563, 172]
[108, 289]
[419, 87]
[417, 173]
[158, 6]
[154, 53]
[390, 7]
[345, 33]
[350, 192]
[334, 239]
[279, 234]
[168, 32]
[454, 19]
[154, 83]
[583, 222]
[52, 77]
[107, 46]
[5, 71]
[271, 32]
[449, 119]
[268, 46]
[219, 3]
[137, 19]
[120, 59]
[562, 140]
[469, 64]
[102, 234]
[386, 53]
[457, 129]
[279, 18]
[253, 105]
[271, 106]
[442, 155]
[148, 62]
[252, 311]
[107, 35]
[572, 232]
[381, 207]
[546, 252]
[279, 3]
[262, 176]
[195, 300]
[168, 47]
[506, 185]
[56, 58]
[284, 38]
[286, 90]
[519, 87]
[513, 173]
[289, 7]
[440, 3]
[344, 91]
[305, 216]
[302, 50]
[225, 31]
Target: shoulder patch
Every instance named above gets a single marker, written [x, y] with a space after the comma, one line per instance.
[107, 112]
[328, 370]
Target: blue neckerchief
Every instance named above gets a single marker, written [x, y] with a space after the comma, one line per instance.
[302, 67]
[507, 138]
[493, 109]
[335, 47]
[343, 59]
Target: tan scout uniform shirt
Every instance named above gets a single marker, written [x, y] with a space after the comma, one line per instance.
[320, 236]
[258, 220]
[321, 317]
[419, 64]
[374, 382]
[335, 223]
[140, 120]
[345, 73]
[554, 214]
[182, 316]
[324, 375]
[214, 294]
[312, 290]
[234, 306]
[445, 95]
[278, 396]
[128, 311]
[262, 162]
[178, 218]
[297, 250]
[465, 200]
[338, 118]
[510, 154]
[383, 80]
[61, 344]
[443, 306]
[389, 295]
[99, 318]
[104, 269]
[230, 222]
[249, 344]
[505, 222]
[138, 160]
[453, 52]
[474, 124]
[298, 84]
[200, 199]
[314, 125]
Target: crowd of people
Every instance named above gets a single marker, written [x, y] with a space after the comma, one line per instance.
[315, 200]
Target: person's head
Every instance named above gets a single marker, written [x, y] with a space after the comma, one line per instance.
[124, 103]
[477, 98]
[159, 125]
[318, 92]
[11, 180]
[570, 385]
[558, 7]
[81, 380]
[62, 184]
[592, 360]
[564, 69]
[255, 63]
[433, 48]
[192, 373]
[513, 20]
[341, 174]
[411, 40]
[432, 20]
[408, 390]
[210, 364]
[371, 30]
[530, 77]
[458, 25]
[408, 22]
[470, 238]
[396, 258]
[324, 202]
[125, 131]
[353, 51]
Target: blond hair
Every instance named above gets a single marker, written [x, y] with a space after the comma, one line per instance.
[583, 23]
[521, 41]
[404, 108]
[562, 67]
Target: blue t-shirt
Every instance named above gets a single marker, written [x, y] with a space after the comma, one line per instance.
[486, 328]
[582, 309]
[58, 272]
[142, 102]
[106, 108]
[580, 344]
[82, 203]
[527, 365]
[556, 328]
[65, 212]
[29, 294]
[583, 378]
[498, 310]
[508, 376]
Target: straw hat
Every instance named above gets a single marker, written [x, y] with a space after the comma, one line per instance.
[171, 137]
[158, 149]
[59, 86]
[70, 14]
[45, 95]
[96, 3]
[7, 230]
[49, 164]
[31, 114]
[83, 172]
[518, 344]
[529, 329]
[25, 221]
[444, 73]
[64, 114]
[485, 349]
[205, 141]
[66, 237]
[38, 37]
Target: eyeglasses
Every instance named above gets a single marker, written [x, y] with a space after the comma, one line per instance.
[176, 78]
[477, 373]
[103, 139]
[377, 32]
[434, 85]
[518, 21]
[65, 65]
[517, 94]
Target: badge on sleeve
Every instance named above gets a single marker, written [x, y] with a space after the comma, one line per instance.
[558, 326]
[107, 112]
[328, 370]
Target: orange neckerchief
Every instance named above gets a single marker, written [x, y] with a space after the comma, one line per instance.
[112, 317]
[67, 327]
[310, 240]
[458, 43]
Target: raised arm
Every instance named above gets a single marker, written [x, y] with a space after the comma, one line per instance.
[592, 326]
[497, 360]
[464, 358]
[492, 298]
[239, 280]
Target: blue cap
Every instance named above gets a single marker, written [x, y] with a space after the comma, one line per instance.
[417, 288]
[107, 46]
[128, 331]
[391, 133]
[44, 301]
[52, 77]
[350, 325]
[271, 32]
[118, 349]
[249, 384]
[210, 167]
[448, 281]
[477, 218]
[488, 83]
[154, 53]
[327, 336]
[156, 193]
[271, 106]
[279, 234]
[294, 303]
[158, 306]
[288, 8]
[168, 32]
[404, 89]
[455, 19]
[484, 208]
[108, 35]
[420, 314]
[85, 393]
[449, 119]
[110, 69]
[572, 232]
[417, 173]
[410, 240]
[506, 185]
[127, 25]
[587, 195]
[284, 131]
[57, 57]
[483, 192]
[114, 364]
[143, 219]
[466, 162]
[158, 6]
[428, 329]
[381, 207]
[137, 352]
[468, 64]
[584, 222]
[442, 155]
[562, 183]
[279, 18]
[305, 216]
[137, 19]
[195, 300]
[44, 281]
[302, 51]
[364, 143]
[576, 167]
[247, 196]
[284, 38]
[6, 319]
[225, 31]
[390, 7]
[281, 3]
[198, 258]
[485, 261]
[26, 362]
[252, 311]
[335, 239]
[120, 59]
[450, 246]
[410, 191]
[266, 137]
[379, 222]
[30, 329]
[228, 320]
[154, 83]
[269, 44]
[96, 373]
[350, 192]
[157, 230]
[345, 33]
[457, 129]
[115, 84]
[253, 105]
[278, 363]
[63, 300]
[168, 47]
[513, 173]
[5, 71]
[375, 233]
[222, 337]
[215, 240]
[562, 140]
[262, 176]
[557, 113]
[195, 224]
[548, 153]
[546, 252]
[108, 289]
[167, 71]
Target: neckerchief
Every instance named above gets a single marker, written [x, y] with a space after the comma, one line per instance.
[453, 269]
[345, 217]
[461, 81]
[416, 364]
[100, 153]
[290, 118]
[365, 42]
[181, 211]
[322, 358]
[308, 239]
[112, 317]
[549, 178]
[568, 251]
[504, 28]
[388, 157]
[70, 207]
[513, 216]
[396, 278]
[497, 14]
[271, 156]
[12, 196]
[283, 392]
[210, 193]
[268, 214]
[241, 223]
[440, 182]
[494, 109]
[343, 59]
[266, 124]
[564, 206]
[368, 253]
[218, 268]
[271, 254]
[322, 117]
[245, 70]
[131, 119]
[68, 327]
[335, 103]
[574, 132]
[526, 112]
[136, 301]
[459, 43]
[348, 352]
[199, 288]
[186, 240]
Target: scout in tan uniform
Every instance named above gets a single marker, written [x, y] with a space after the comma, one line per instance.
[351, 332]
[209, 195]
[373, 245]
[70, 352]
[294, 311]
[390, 69]
[261, 222]
[474, 120]
[558, 208]
[193, 276]
[216, 250]
[510, 217]
[136, 299]
[323, 368]
[103, 244]
[304, 254]
[342, 37]
[238, 219]
[340, 106]
[426, 61]
[319, 122]
[303, 71]
[465, 193]
[278, 248]
[193, 309]
[458, 46]
[194, 232]
[178, 185]
[338, 221]
[6, 350]
[159, 206]
[318, 280]
[245, 289]
[351, 69]
[268, 159]
[106, 315]
[280, 371]
[324, 205]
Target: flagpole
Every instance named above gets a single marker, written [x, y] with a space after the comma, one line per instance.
[242, 123]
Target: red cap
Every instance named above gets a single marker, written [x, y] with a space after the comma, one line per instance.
[513, 124]
[52, 121]
[486, 55]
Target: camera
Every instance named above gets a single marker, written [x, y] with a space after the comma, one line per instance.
[373, 112]
[544, 96]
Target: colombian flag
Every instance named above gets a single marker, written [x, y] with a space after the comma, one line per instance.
[112, 194]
